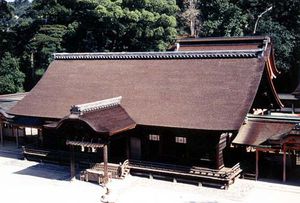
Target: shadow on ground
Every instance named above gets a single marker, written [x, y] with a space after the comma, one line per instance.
[48, 171]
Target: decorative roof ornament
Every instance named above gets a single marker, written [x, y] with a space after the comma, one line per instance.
[93, 106]
[251, 53]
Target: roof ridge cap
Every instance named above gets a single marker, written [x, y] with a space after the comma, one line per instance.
[93, 106]
[246, 53]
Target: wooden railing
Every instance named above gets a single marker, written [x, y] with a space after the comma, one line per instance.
[57, 156]
[220, 177]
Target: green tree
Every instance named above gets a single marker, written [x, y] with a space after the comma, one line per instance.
[11, 78]
[40, 32]
[282, 23]
[128, 25]
[6, 15]
[49, 26]
[20, 7]
[40, 48]
[49, 12]
[283, 39]
[222, 18]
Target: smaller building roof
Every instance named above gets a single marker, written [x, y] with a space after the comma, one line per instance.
[226, 43]
[256, 133]
[7, 101]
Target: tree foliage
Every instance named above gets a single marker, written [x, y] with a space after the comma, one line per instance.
[6, 15]
[11, 78]
[238, 17]
[32, 31]
[128, 25]
[49, 26]
[44, 43]
[5, 12]
[222, 18]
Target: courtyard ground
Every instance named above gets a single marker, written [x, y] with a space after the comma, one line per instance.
[32, 182]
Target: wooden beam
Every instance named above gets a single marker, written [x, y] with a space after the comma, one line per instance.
[72, 163]
[105, 160]
[256, 164]
[284, 164]
[84, 144]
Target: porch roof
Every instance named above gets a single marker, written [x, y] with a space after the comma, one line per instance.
[256, 133]
[108, 120]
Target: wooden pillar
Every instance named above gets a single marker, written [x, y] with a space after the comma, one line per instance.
[40, 136]
[17, 137]
[72, 162]
[219, 151]
[128, 146]
[105, 160]
[256, 164]
[24, 134]
[284, 164]
[13, 132]
[1, 133]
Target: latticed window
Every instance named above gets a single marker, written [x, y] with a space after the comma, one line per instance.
[181, 140]
[154, 137]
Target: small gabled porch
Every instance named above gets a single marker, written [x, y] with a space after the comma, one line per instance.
[92, 126]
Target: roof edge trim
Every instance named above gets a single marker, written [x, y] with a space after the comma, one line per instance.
[270, 118]
[251, 53]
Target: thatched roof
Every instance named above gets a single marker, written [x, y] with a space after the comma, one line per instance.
[210, 90]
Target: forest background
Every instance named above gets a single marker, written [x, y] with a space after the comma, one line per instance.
[31, 31]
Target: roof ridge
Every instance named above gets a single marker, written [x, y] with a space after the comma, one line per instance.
[93, 106]
[223, 39]
[247, 53]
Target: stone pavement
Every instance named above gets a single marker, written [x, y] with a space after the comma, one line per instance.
[32, 182]
[136, 189]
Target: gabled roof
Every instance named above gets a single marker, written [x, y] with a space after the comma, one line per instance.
[210, 89]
